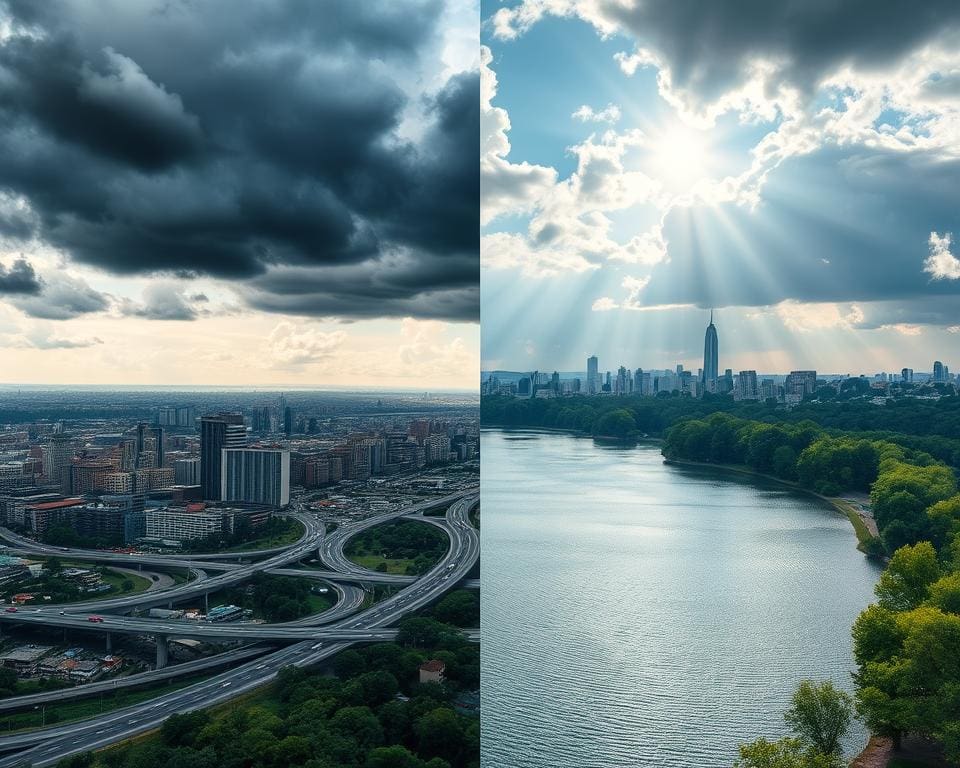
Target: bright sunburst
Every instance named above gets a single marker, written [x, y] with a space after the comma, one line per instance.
[679, 156]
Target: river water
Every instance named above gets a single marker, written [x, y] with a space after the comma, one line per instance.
[641, 614]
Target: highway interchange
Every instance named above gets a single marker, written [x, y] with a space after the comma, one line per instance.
[308, 641]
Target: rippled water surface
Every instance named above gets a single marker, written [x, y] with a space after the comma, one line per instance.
[639, 614]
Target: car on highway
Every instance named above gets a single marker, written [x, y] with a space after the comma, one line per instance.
[12, 609]
[95, 619]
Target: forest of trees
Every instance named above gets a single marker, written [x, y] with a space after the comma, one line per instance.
[373, 713]
[929, 426]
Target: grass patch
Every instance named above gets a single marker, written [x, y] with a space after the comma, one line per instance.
[405, 547]
[397, 566]
[475, 517]
[116, 580]
[292, 533]
[321, 603]
[863, 534]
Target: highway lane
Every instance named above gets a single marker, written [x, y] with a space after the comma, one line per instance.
[332, 547]
[349, 599]
[198, 587]
[51, 744]
[170, 628]
[368, 577]
[70, 617]
[197, 666]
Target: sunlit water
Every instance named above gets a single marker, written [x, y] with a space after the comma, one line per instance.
[640, 614]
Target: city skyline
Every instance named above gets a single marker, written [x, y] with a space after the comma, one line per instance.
[169, 218]
[711, 356]
[806, 196]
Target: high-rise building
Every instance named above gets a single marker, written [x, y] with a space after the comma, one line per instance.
[593, 375]
[906, 375]
[746, 388]
[287, 421]
[256, 475]
[225, 430]
[56, 461]
[186, 471]
[799, 384]
[938, 369]
[710, 356]
[89, 475]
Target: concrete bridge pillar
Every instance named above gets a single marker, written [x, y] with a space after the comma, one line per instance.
[109, 642]
[206, 602]
[163, 653]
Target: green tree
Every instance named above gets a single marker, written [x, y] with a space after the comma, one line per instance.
[347, 664]
[439, 734]
[945, 593]
[360, 724]
[618, 423]
[460, 608]
[182, 730]
[784, 753]
[907, 578]
[819, 715]
[392, 757]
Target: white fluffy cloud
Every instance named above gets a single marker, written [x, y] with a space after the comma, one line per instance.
[505, 187]
[586, 114]
[293, 346]
[941, 264]
[818, 316]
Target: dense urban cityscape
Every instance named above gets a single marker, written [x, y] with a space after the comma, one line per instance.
[153, 539]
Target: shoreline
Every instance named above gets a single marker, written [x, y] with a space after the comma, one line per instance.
[861, 523]
[574, 433]
[860, 527]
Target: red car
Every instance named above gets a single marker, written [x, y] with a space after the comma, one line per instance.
[12, 609]
[95, 619]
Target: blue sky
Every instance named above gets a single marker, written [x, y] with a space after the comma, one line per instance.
[643, 164]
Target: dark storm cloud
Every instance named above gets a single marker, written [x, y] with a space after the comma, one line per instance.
[63, 297]
[236, 139]
[708, 46]
[832, 226]
[19, 279]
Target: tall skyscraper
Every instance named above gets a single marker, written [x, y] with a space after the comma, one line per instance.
[593, 375]
[218, 432]
[287, 421]
[938, 375]
[710, 356]
[256, 475]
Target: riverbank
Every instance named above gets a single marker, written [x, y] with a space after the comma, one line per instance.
[851, 507]
[690, 593]
[575, 433]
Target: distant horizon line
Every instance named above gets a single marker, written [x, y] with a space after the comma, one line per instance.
[259, 388]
